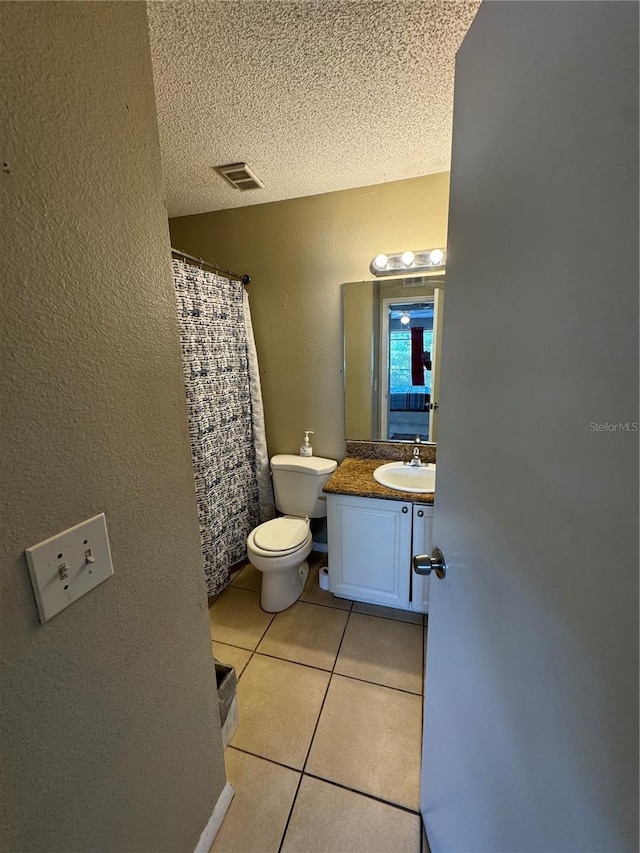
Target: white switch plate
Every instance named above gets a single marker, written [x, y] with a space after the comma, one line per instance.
[68, 565]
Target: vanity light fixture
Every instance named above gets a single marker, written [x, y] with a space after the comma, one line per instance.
[424, 260]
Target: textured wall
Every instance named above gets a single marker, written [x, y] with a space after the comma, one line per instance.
[298, 253]
[108, 724]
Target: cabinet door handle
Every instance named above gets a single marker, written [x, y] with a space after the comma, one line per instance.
[404, 509]
[420, 513]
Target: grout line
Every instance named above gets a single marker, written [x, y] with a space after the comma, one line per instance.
[293, 804]
[330, 606]
[240, 648]
[348, 609]
[331, 671]
[335, 660]
[270, 760]
[363, 794]
[296, 662]
[389, 618]
[335, 784]
[273, 616]
[315, 729]
[244, 668]
[243, 588]
[233, 645]
[376, 684]
[254, 651]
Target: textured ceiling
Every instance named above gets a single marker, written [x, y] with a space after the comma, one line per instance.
[315, 96]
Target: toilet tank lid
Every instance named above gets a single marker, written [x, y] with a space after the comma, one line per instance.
[308, 464]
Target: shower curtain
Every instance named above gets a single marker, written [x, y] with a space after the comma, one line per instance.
[226, 423]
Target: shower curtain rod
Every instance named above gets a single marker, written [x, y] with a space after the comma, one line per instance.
[245, 279]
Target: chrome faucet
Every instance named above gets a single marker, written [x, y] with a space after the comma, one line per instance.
[415, 460]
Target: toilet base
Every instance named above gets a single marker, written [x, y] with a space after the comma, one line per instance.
[282, 589]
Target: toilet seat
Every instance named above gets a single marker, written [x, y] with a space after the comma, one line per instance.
[281, 536]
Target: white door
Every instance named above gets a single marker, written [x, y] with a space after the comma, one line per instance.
[531, 704]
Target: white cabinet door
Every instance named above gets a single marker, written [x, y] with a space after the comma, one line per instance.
[369, 549]
[421, 543]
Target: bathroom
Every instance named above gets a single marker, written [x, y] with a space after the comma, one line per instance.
[299, 253]
[109, 709]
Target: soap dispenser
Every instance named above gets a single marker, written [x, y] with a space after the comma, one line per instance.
[305, 448]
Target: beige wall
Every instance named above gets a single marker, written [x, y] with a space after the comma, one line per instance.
[357, 309]
[298, 253]
[108, 724]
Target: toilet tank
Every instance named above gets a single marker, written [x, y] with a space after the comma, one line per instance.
[298, 482]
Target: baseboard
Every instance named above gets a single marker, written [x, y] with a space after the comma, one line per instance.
[215, 821]
[322, 547]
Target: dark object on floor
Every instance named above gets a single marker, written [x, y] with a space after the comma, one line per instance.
[227, 699]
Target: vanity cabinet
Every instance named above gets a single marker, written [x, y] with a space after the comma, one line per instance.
[371, 545]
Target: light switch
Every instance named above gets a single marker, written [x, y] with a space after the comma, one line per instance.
[68, 565]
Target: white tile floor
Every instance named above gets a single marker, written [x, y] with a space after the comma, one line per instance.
[326, 758]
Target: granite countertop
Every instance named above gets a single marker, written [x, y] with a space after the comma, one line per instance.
[355, 477]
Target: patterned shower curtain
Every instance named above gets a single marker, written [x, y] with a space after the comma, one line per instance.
[226, 429]
[266, 503]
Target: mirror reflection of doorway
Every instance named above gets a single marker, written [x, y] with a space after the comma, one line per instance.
[408, 355]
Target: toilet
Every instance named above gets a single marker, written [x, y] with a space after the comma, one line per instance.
[279, 548]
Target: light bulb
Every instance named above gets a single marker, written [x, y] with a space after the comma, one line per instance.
[405, 319]
[408, 258]
[380, 262]
[436, 256]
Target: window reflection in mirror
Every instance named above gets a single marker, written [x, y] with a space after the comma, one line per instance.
[392, 340]
[407, 349]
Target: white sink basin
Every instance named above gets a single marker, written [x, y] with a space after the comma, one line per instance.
[407, 478]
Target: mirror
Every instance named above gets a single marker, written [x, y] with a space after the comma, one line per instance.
[392, 343]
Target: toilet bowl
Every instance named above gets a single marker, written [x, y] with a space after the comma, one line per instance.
[279, 549]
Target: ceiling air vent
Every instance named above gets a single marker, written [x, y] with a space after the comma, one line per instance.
[240, 176]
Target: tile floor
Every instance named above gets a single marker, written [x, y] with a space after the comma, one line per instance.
[326, 758]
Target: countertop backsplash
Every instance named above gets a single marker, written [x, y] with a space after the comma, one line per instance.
[389, 450]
